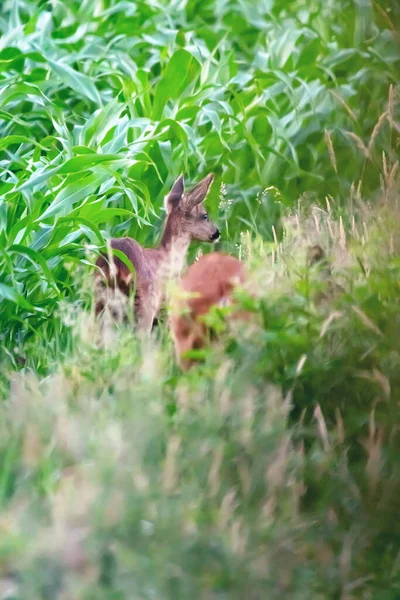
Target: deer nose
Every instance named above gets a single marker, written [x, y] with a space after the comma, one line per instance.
[215, 235]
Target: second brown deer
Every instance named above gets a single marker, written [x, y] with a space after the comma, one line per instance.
[208, 282]
[186, 220]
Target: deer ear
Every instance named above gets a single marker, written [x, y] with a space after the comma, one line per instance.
[199, 192]
[175, 195]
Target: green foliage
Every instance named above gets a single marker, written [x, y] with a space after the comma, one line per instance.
[272, 468]
[103, 103]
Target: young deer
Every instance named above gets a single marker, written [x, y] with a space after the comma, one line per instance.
[186, 220]
[208, 282]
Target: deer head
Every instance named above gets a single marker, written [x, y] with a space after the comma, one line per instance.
[186, 215]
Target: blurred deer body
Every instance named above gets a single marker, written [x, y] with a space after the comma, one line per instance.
[208, 282]
[186, 220]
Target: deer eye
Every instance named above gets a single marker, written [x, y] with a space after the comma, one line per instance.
[204, 217]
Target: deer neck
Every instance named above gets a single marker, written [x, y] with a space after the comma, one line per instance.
[173, 247]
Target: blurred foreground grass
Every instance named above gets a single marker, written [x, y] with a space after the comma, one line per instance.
[272, 470]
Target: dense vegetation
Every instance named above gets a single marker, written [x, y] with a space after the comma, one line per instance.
[272, 470]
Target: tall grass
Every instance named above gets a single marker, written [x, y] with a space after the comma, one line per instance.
[271, 469]
[103, 103]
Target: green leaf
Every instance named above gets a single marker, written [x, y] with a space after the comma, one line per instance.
[122, 256]
[77, 81]
[181, 71]
[37, 179]
[89, 224]
[71, 194]
[35, 258]
[104, 215]
[11, 59]
[9, 293]
[18, 139]
[102, 121]
[87, 161]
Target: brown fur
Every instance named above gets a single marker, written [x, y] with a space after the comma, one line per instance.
[186, 220]
[316, 258]
[208, 282]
